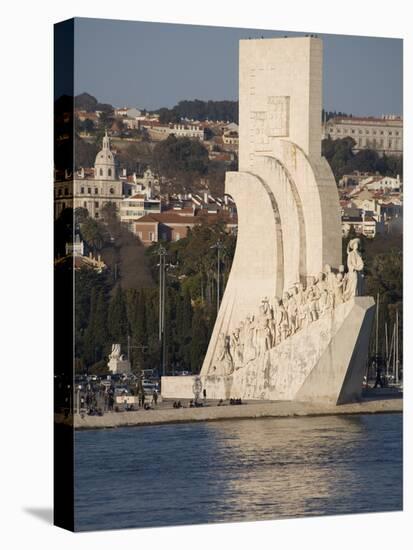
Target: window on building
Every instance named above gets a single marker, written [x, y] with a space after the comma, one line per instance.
[360, 131]
[381, 133]
[63, 205]
[96, 204]
[59, 192]
[177, 236]
[110, 172]
[96, 190]
[84, 204]
[390, 133]
[111, 190]
[352, 131]
[89, 190]
[96, 214]
[151, 236]
[66, 191]
[367, 131]
[100, 172]
[82, 190]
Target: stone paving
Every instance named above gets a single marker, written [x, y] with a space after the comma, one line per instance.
[165, 413]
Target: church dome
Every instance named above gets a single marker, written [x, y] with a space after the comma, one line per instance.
[105, 166]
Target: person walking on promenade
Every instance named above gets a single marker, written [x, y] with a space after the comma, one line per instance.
[111, 401]
[379, 380]
[155, 397]
[204, 394]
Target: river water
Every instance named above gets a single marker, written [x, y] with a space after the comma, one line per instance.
[244, 470]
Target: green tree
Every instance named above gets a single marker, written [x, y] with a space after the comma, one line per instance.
[199, 341]
[86, 102]
[94, 233]
[339, 153]
[85, 152]
[95, 344]
[109, 212]
[117, 317]
[63, 232]
[81, 215]
[181, 160]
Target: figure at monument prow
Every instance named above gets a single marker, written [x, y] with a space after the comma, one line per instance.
[355, 265]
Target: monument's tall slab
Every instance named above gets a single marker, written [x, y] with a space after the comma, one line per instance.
[288, 300]
[280, 83]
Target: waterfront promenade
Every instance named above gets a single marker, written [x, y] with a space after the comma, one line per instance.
[164, 413]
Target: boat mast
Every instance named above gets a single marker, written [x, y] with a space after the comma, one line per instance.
[397, 347]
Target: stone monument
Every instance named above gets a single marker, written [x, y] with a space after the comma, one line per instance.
[117, 363]
[292, 322]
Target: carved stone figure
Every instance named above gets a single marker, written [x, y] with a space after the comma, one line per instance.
[341, 269]
[282, 318]
[224, 359]
[355, 267]
[115, 353]
[262, 333]
[330, 279]
[339, 289]
[320, 282]
[313, 296]
[292, 310]
[302, 305]
[117, 363]
[249, 353]
[325, 302]
[236, 349]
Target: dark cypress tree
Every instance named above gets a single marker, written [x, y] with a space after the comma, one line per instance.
[100, 330]
[89, 341]
[117, 318]
[199, 341]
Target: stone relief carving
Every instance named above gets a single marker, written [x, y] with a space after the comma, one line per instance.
[299, 306]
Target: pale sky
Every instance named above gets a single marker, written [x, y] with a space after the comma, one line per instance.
[152, 65]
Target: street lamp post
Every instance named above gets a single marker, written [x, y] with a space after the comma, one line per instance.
[162, 294]
[162, 254]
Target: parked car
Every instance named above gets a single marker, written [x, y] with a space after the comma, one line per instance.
[119, 390]
[149, 386]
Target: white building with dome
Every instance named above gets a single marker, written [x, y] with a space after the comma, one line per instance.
[89, 193]
[105, 167]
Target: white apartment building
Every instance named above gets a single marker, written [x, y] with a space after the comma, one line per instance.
[385, 183]
[384, 135]
[133, 208]
[159, 133]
